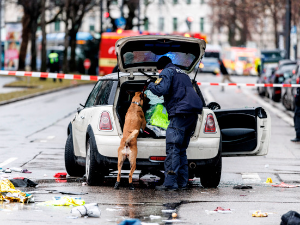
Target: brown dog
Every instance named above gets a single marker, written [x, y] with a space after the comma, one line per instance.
[134, 121]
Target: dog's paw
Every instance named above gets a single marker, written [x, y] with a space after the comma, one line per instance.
[131, 187]
[117, 185]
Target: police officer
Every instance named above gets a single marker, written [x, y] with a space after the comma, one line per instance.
[297, 116]
[53, 63]
[183, 106]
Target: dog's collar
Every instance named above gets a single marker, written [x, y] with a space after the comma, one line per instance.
[137, 103]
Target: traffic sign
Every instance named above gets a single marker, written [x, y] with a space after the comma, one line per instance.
[87, 64]
[120, 22]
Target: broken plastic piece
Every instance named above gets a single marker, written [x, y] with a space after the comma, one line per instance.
[283, 185]
[242, 187]
[22, 182]
[60, 175]
[174, 215]
[65, 201]
[222, 210]
[168, 210]
[259, 214]
[130, 222]
[90, 210]
[152, 217]
[269, 180]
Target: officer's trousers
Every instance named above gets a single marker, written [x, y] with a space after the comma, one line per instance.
[297, 120]
[178, 137]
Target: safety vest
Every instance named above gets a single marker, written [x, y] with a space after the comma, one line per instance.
[53, 57]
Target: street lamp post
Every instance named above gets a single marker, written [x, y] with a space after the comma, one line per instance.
[288, 29]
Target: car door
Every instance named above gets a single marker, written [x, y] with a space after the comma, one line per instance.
[81, 122]
[244, 132]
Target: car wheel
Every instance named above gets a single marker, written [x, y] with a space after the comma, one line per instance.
[93, 171]
[210, 176]
[73, 169]
[285, 102]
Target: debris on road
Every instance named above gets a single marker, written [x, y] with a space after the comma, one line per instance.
[60, 175]
[130, 222]
[152, 217]
[259, 214]
[9, 193]
[174, 215]
[290, 218]
[222, 210]
[284, 185]
[168, 210]
[90, 210]
[22, 182]
[269, 180]
[65, 201]
[242, 187]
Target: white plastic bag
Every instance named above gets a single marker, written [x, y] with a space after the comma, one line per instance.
[90, 210]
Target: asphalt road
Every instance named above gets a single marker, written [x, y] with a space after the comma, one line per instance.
[33, 134]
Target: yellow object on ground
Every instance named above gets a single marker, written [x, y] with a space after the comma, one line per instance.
[259, 214]
[8, 192]
[65, 201]
[269, 180]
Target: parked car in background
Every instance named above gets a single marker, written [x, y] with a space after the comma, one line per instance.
[264, 78]
[283, 72]
[209, 65]
[288, 93]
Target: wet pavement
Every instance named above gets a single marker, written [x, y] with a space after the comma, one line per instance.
[33, 133]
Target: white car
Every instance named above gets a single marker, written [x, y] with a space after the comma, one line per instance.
[95, 132]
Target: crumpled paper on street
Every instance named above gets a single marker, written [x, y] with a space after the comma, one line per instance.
[9, 193]
[259, 214]
[65, 201]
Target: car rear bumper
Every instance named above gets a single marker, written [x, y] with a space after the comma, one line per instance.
[202, 151]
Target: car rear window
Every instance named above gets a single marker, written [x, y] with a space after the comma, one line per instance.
[102, 94]
[288, 67]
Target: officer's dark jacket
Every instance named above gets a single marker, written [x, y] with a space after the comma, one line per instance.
[177, 89]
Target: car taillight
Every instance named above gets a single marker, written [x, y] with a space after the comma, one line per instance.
[105, 122]
[297, 80]
[157, 158]
[279, 75]
[210, 124]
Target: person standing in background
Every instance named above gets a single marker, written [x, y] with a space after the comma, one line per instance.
[225, 73]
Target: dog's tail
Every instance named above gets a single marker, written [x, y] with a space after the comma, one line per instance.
[131, 136]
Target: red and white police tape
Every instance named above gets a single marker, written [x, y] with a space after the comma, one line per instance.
[96, 78]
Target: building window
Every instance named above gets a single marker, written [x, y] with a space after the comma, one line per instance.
[161, 2]
[146, 23]
[92, 23]
[201, 24]
[161, 24]
[175, 2]
[202, 1]
[174, 24]
[188, 2]
[57, 25]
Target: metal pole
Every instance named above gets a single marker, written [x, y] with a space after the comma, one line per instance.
[288, 29]
[101, 17]
[0, 35]
[139, 14]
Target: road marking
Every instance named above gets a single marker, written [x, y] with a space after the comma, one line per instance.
[250, 177]
[51, 137]
[7, 161]
[269, 107]
[208, 96]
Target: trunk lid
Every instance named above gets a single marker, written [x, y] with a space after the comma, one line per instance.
[140, 53]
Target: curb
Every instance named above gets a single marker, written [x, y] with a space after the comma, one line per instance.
[37, 94]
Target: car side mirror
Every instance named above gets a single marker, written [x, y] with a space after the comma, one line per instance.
[213, 106]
